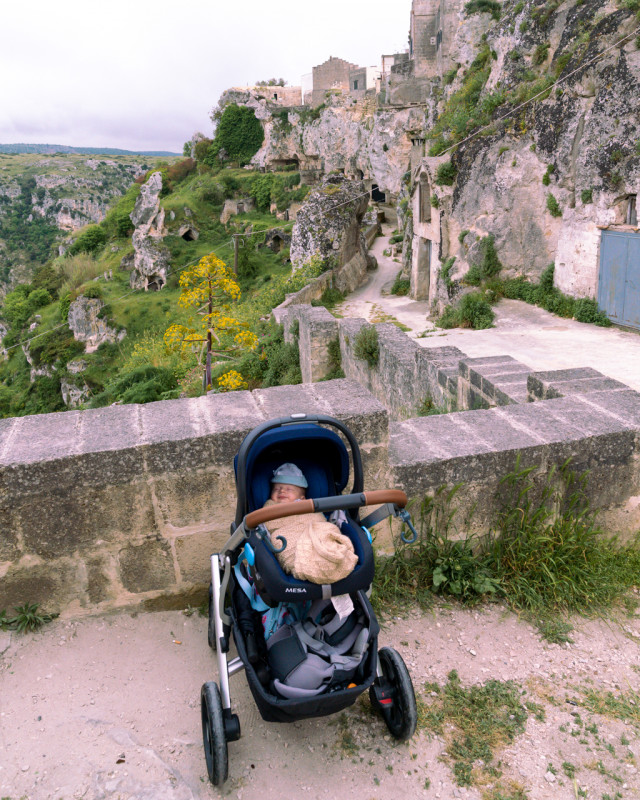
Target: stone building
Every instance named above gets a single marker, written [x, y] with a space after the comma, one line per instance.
[331, 74]
[280, 95]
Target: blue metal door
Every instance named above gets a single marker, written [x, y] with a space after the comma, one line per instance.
[619, 284]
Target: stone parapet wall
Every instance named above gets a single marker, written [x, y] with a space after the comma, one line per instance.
[599, 432]
[123, 506]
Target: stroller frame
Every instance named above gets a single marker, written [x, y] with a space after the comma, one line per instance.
[389, 684]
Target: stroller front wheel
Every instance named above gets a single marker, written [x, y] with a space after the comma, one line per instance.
[401, 714]
[213, 736]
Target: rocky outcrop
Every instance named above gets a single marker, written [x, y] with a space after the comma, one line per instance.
[559, 168]
[151, 258]
[74, 395]
[88, 325]
[329, 226]
[352, 136]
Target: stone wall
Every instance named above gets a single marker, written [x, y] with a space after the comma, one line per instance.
[505, 412]
[123, 506]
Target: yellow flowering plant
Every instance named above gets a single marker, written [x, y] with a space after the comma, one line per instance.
[209, 288]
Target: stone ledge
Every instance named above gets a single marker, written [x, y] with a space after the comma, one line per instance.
[565, 382]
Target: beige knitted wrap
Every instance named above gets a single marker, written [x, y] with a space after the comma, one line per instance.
[316, 551]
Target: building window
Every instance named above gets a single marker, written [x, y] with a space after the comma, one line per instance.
[275, 96]
[355, 85]
[632, 210]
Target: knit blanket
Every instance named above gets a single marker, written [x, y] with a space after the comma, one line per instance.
[316, 550]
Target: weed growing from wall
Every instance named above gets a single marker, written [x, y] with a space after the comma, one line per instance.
[366, 345]
[553, 206]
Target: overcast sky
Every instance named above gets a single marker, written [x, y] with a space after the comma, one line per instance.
[145, 74]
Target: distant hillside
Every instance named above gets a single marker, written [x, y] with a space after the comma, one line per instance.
[49, 149]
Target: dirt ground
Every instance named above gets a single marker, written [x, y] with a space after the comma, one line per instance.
[108, 707]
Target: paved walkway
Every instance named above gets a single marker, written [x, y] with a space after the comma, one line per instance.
[529, 334]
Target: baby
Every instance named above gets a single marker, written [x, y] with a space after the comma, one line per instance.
[288, 484]
[316, 550]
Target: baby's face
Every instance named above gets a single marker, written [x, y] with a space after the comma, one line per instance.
[286, 493]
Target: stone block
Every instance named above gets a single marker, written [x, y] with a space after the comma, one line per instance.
[193, 554]
[566, 382]
[60, 522]
[101, 578]
[623, 405]
[147, 566]
[196, 496]
[53, 585]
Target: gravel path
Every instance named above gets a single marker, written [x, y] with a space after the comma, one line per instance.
[109, 708]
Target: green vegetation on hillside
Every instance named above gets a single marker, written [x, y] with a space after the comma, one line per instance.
[141, 367]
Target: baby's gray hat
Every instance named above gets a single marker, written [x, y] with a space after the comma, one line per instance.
[289, 473]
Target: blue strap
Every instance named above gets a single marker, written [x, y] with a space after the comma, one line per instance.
[249, 589]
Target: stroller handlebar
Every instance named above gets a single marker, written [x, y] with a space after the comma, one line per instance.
[280, 510]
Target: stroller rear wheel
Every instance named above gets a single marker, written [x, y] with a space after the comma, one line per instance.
[401, 713]
[214, 739]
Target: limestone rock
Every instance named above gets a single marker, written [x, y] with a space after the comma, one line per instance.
[73, 395]
[151, 258]
[87, 325]
[329, 225]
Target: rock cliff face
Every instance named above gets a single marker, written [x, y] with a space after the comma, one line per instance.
[539, 119]
[560, 167]
[89, 326]
[329, 225]
[348, 135]
[151, 257]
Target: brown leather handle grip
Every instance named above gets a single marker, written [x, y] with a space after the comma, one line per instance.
[262, 515]
[280, 510]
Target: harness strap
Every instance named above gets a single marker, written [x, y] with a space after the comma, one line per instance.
[387, 510]
[256, 602]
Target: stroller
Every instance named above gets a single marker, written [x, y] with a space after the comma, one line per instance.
[247, 579]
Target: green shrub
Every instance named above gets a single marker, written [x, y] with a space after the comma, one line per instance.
[483, 7]
[366, 346]
[57, 346]
[335, 361]
[63, 306]
[239, 136]
[329, 298]
[540, 54]
[586, 310]
[553, 206]
[445, 174]
[445, 272]
[401, 286]
[546, 178]
[90, 240]
[93, 292]
[489, 265]
[435, 201]
[141, 385]
[586, 195]
[450, 75]
[473, 311]
[273, 362]
[462, 235]
[117, 223]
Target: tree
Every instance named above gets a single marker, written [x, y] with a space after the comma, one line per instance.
[239, 136]
[208, 288]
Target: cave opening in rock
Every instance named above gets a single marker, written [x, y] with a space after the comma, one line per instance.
[189, 235]
[376, 195]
